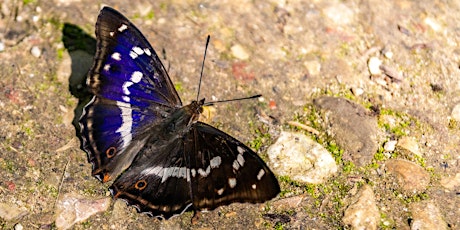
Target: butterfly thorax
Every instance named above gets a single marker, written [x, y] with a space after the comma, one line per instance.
[180, 120]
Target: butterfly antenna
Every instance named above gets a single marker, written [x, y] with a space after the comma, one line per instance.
[202, 67]
[234, 99]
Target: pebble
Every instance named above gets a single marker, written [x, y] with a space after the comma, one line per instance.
[410, 145]
[2, 46]
[410, 177]
[362, 213]
[239, 52]
[374, 64]
[426, 215]
[313, 67]
[390, 146]
[289, 203]
[36, 51]
[72, 208]
[456, 112]
[451, 183]
[18, 226]
[302, 159]
[357, 91]
[358, 141]
[10, 211]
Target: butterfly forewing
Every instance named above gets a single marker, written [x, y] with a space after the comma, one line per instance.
[132, 91]
[135, 130]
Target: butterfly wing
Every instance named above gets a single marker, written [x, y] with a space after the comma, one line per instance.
[132, 91]
[223, 170]
[202, 170]
[158, 180]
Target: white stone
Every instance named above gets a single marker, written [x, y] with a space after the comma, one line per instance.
[456, 112]
[390, 146]
[36, 51]
[302, 159]
[362, 213]
[374, 64]
[239, 52]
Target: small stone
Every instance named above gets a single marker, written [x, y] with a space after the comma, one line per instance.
[451, 182]
[388, 54]
[71, 209]
[456, 112]
[289, 203]
[302, 159]
[426, 215]
[10, 211]
[410, 145]
[359, 142]
[390, 146]
[432, 23]
[2, 46]
[374, 66]
[357, 91]
[313, 67]
[339, 13]
[36, 51]
[239, 52]
[18, 226]
[363, 212]
[410, 177]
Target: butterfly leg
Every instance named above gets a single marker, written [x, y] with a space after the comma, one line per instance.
[196, 217]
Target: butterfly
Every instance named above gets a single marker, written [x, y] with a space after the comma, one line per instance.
[136, 132]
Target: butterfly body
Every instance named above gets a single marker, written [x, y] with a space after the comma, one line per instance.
[136, 132]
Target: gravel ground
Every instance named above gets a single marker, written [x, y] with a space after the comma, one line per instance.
[399, 60]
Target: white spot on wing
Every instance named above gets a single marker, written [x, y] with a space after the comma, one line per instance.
[126, 123]
[215, 162]
[136, 77]
[138, 50]
[254, 186]
[220, 191]
[107, 67]
[240, 149]
[240, 159]
[235, 165]
[125, 87]
[205, 173]
[116, 56]
[147, 51]
[165, 173]
[260, 174]
[232, 182]
[122, 28]
[133, 54]
[193, 172]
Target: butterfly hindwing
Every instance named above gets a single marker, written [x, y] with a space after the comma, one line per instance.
[158, 181]
[224, 170]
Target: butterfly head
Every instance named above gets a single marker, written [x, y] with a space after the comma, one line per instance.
[196, 108]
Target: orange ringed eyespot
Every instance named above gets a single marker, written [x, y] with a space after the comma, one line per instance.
[140, 185]
[110, 152]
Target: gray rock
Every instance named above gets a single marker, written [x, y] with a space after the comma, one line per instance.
[71, 209]
[362, 213]
[426, 216]
[352, 128]
[10, 212]
[410, 177]
[297, 156]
